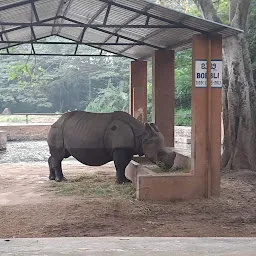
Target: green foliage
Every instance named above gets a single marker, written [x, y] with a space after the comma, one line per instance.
[26, 74]
[186, 6]
[183, 82]
[110, 99]
[182, 117]
[12, 119]
[149, 98]
[50, 84]
[222, 8]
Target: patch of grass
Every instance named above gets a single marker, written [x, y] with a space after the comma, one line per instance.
[183, 117]
[13, 119]
[31, 118]
[94, 186]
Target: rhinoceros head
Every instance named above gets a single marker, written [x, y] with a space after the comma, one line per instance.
[154, 148]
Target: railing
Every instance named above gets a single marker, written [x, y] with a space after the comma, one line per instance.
[185, 116]
[32, 114]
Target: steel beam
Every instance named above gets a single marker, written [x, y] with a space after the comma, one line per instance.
[76, 49]
[33, 33]
[58, 12]
[118, 35]
[99, 48]
[65, 12]
[69, 55]
[92, 20]
[79, 24]
[33, 49]
[130, 20]
[9, 6]
[27, 42]
[142, 39]
[151, 15]
[2, 38]
[21, 27]
[72, 43]
[106, 15]
[34, 10]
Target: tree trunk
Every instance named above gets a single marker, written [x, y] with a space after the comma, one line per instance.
[238, 94]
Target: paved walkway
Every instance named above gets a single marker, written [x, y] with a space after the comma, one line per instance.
[142, 246]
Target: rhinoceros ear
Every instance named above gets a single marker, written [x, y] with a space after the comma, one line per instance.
[147, 127]
[150, 130]
[154, 126]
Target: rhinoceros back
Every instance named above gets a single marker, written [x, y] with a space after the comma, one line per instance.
[131, 130]
[137, 126]
[86, 130]
[90, 137]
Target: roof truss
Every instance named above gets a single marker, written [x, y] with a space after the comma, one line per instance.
[120, 34]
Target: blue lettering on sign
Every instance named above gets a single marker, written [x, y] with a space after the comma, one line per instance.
[204, 75]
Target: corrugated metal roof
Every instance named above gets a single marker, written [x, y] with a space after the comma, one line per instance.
[131, 28]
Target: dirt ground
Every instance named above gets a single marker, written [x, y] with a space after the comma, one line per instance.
[89, 204]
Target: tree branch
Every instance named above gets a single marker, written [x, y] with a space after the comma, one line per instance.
[207, 9]
[239, 17]
[232, 9]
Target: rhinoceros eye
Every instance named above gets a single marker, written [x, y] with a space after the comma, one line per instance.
[113, 128]
[160, 153]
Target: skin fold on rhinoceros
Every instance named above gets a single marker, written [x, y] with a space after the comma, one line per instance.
[95, 139]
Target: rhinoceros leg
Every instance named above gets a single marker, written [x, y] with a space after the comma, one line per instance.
[121, 158]
[52, 173]
[55, 169]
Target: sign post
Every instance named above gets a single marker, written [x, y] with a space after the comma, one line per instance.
[201, 73]
[206, 112]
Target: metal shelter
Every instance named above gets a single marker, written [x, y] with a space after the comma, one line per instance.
[138, 29]
[133, 29]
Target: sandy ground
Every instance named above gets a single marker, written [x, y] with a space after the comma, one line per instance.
[30, 207]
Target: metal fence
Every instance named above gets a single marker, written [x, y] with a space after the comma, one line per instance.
[27, 115]
[31, 114]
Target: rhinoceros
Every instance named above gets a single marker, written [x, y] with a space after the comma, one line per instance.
[95, 139]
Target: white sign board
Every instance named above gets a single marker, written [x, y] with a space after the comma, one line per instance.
[201, 73]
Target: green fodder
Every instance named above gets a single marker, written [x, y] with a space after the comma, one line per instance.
[94, 186]
[162, 169]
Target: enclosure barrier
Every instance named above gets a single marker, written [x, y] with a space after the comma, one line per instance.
[23, 129]
[3, 140]
[32, 114]
[185, 116]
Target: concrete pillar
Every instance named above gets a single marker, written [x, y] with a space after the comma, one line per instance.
[206, 114]
[204, 177]
[163, 93]
[3, 140]
[138, 90]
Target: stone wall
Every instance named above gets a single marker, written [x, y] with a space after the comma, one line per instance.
[3, 140]
[19, 132]
[16, 132]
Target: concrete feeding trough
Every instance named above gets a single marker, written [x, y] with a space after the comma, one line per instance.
[3, 140]
[152, 184]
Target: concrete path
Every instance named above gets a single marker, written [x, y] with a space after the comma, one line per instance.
[130, 246]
